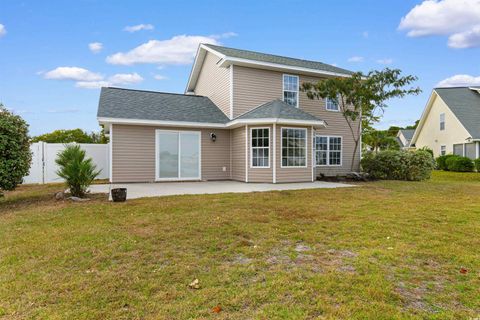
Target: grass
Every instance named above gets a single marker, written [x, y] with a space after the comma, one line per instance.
[385, 250]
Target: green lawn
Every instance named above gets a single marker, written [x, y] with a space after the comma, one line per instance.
[385, 250]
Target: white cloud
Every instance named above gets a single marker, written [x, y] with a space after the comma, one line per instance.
[3, 30]
[385, 61]
[139, 27]
[460, 80]
[356, 59]
[467, 39]
[159, 77]
[95, 47]
[91, 80]
[72, 73]
[125, 78]
[365, 34]
[459, 19]
[177, 50]
[116, 79]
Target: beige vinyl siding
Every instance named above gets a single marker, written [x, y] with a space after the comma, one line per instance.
[260, 174]
[238, 153]
[133, 151]
[214, 82]
[253, 87]
[293, 174]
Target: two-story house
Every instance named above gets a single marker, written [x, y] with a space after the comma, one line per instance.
[242, 118]
[450, 123]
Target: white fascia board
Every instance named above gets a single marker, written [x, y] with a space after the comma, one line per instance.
[278, 67]
[197, 65]
[231, 124]
[239, 122]
[160, 123]
[425, 112]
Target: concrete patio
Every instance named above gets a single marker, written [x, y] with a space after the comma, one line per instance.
[141, 190]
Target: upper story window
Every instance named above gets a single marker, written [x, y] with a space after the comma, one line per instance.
[260, 147]
[442, 121]
[294, 147]
[332, 104]
[290, 89]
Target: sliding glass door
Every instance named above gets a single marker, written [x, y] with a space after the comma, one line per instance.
[178, 155]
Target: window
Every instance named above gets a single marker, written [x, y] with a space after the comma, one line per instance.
[294, 147]
[443, 150]
[328, 151]
[331, 104]
[260, 147]
[442, 121]
[290, 90]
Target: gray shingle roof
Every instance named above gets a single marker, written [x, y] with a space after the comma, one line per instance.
[150, 105]
[264, 57]
[278, 109]
[408, 133]
[465, 104]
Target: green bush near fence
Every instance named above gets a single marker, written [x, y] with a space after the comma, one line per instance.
[399, 165]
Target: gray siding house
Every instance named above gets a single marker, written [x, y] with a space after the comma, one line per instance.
[242, 118]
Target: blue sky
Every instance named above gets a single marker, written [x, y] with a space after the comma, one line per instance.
[50, 76]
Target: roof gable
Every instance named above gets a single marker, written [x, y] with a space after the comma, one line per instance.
[407, 133]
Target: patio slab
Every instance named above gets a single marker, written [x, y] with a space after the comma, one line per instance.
[141, 190]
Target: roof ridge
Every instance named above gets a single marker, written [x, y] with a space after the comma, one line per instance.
[276, 55]
[160, 92]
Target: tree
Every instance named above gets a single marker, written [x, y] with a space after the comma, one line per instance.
[77, 170]
[15, 155]
[74, 135]
[362, 98]
[380, 140]
[414, 126]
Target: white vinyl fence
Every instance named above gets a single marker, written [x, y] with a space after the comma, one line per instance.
[43, 167]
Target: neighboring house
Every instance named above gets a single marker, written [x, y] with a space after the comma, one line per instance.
[404, 136]
[450, 122]
[242, 118]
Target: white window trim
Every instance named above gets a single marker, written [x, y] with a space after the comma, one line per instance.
[281, 148]
[441, 147]
[332, 110]
[251, 148]
[440, 123]
[157, 158]
[298, 88]
[328, 151]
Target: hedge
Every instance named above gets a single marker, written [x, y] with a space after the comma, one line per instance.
[399, 165]
[441, 161]
[459, 164]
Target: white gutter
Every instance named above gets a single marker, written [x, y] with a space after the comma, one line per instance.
[230, 124]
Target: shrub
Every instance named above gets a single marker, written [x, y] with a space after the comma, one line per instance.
[427, 149]
[76, 169]
[441, 161]
[459, 164]
[15, 155]
[399, 165]
[477, 164]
